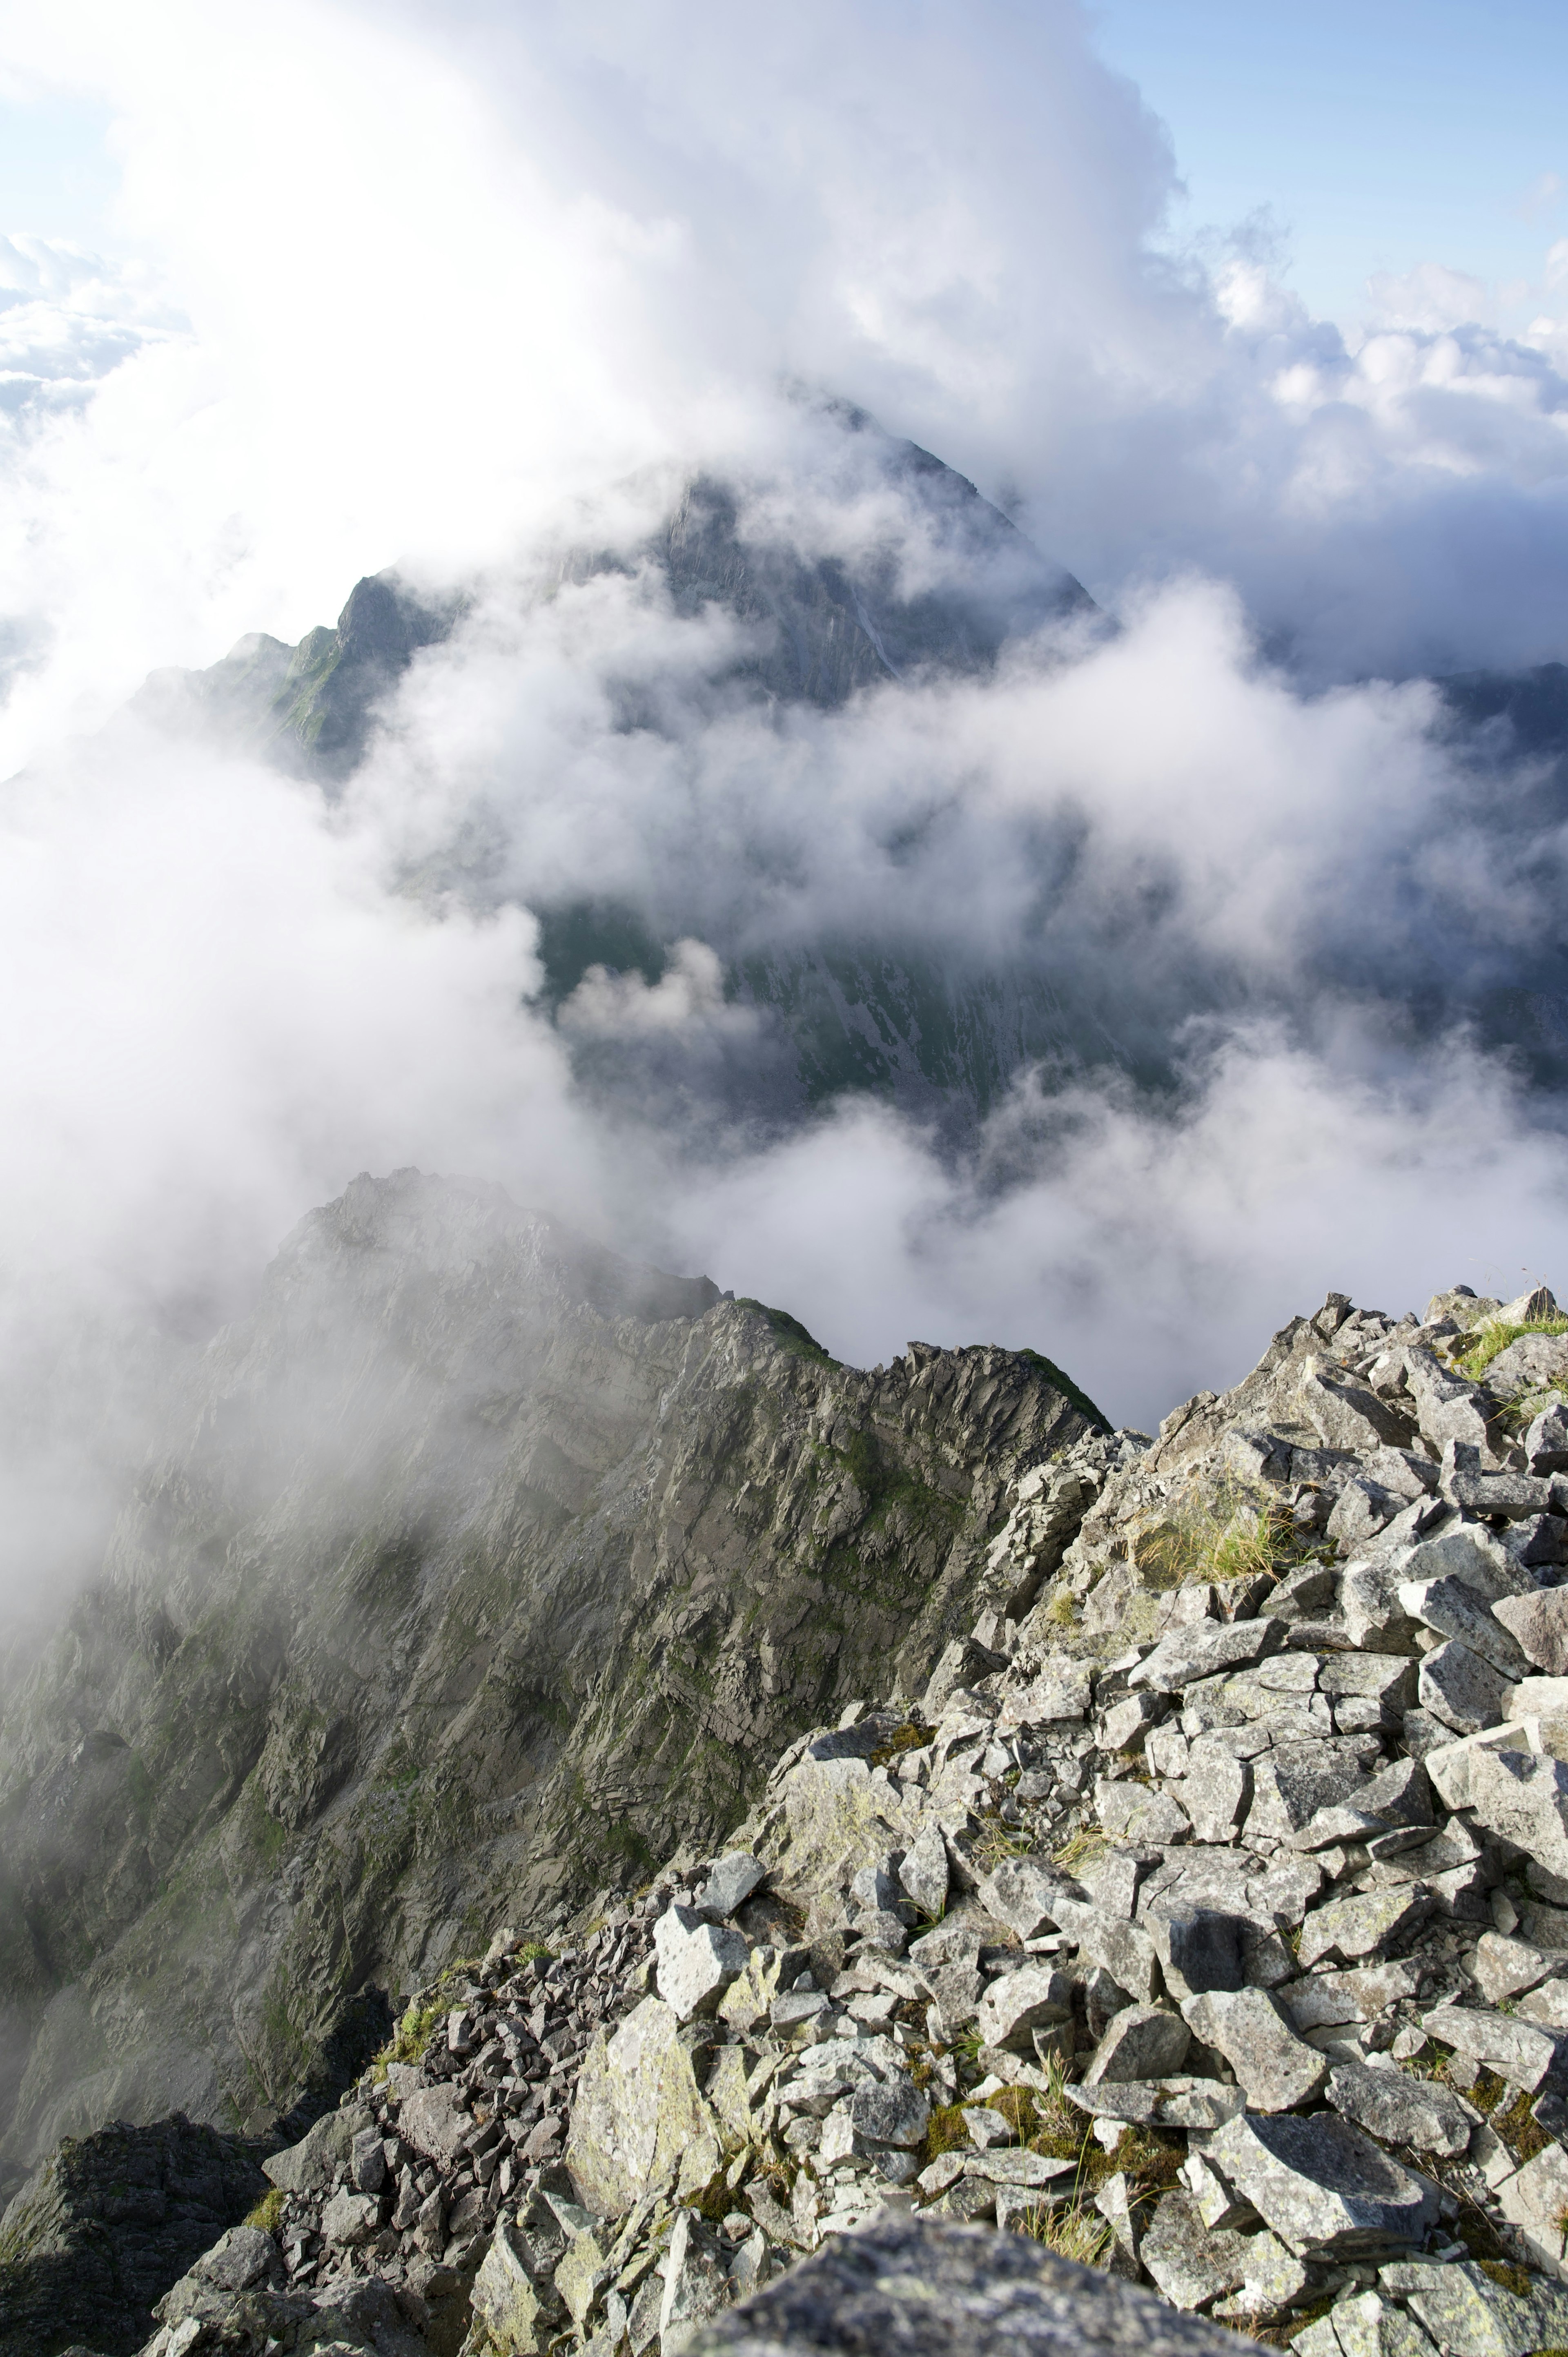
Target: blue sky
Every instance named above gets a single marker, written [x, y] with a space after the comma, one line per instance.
[1381, 133]
[1376, 136]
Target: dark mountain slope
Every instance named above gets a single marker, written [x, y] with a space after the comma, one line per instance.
[480, 1567]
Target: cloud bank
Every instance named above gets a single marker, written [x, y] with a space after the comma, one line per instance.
[484, 285]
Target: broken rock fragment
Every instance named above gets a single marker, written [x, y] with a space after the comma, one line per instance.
[697, 1961]
[1276, 2068]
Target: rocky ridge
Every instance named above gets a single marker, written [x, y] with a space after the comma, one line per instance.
[477, 1568]
[1207, 1917]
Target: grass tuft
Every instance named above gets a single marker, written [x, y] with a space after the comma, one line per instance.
[1488, 1342]
[268, 2212]
[1071, 2230]
[908, 1738]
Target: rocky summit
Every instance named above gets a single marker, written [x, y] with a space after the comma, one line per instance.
[1184, 1936]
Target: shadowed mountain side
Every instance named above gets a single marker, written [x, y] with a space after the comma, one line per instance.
[482, 1567]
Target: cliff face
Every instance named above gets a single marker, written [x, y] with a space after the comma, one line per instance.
[483, 1568]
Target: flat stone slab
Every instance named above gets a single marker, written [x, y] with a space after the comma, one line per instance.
[1176, 2103]
[1326, 2190]
[1399, 2108]
[1205, 1649]
[1194, 2265]
[1516, 2051]
[1350, 1929]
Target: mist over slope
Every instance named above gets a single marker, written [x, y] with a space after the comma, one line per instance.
[474, 1559]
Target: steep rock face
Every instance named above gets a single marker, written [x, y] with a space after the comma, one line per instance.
[103, 2228]
[484, 1565]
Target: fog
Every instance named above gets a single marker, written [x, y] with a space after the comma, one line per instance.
[484, 286]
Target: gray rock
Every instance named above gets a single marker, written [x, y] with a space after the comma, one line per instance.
[1368, 2326]
[1453, 1608]
[1448, 1407]
[1202, 1650]
[243, 2257]
[928, 2290]
[1142, 2042]
[312, 2165]
[1132, 1811]
[923, 1871]
[1400, 1793]
[1325, 2189]
[1061, 1693]
[1197, 1947]
[1538, 1621]
[1123, 1950]
[1125, 1724]
[1532, 1363]
[873, 1889]
[1032, 1899]
[696, 2286]
[890, 2111]
[1006, 2167]
[1539, 1542]
[1535, 2200]
[1546, 1442]
[1194, 2265]
[1345, 1414]
[1112, 1880]
[1470, 1481]
[1456, 1686]
[1351, 1929]
[639, 2123]
[1361, 1509]
[1176, 2103]
[1519, 1797]
[349, 2219]
[1217, 1792]
[518, 2308]
[368, 2161]
[1274, 2068]
[1399, 2109]
[1017, 2004]
[1357, 1996]
[1295, 1780]
[1504, 1968]
[1471, 2315]
[736, 1875]
[435, 2122]
[1516, 2051]
[697, 1961]
[1367, 1689]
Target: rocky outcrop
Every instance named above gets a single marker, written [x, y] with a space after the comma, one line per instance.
[105, 2226]
[1221, 1956]
[480, 1567]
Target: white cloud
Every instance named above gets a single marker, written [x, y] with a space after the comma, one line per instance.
[479, 283]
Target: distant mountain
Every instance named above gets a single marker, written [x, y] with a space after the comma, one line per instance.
[943, 1032]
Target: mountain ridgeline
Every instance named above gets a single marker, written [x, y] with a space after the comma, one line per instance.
[474, 1562]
